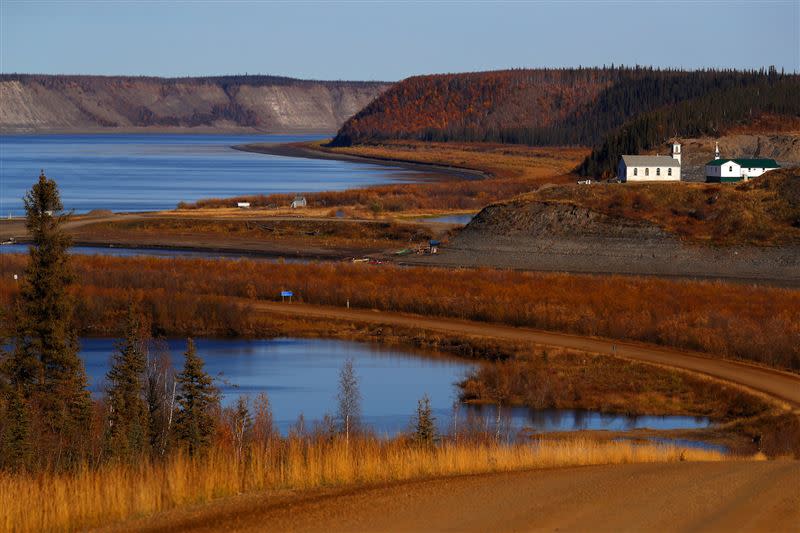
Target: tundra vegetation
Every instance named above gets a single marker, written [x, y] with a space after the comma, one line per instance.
[159, 438]
[207, 297]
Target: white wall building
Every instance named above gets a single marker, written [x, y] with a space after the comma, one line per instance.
[730, 170]
[651, 167]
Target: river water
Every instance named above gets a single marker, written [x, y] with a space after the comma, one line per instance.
[118, 251]
[154, 172]
[301, 376]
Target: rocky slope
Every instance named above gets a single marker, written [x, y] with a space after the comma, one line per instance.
[33, 103]
[561, 237]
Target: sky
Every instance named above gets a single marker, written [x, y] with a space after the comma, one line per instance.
[390, 40]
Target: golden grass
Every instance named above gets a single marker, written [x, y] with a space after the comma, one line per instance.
[550, 163]
[94, 497]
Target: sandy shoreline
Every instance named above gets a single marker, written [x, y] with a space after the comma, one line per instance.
[304, 151]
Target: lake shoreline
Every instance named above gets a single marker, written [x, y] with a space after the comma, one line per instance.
[307, 151]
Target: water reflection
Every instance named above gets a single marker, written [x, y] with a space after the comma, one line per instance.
[551, 420]
[301, 376]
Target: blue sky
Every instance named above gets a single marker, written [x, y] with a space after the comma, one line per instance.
[390, 40]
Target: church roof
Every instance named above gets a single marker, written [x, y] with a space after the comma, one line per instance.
[746, 163]
[650, 161]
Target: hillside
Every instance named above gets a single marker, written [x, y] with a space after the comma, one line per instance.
[40, 103]
[615, 110]
[748, 231]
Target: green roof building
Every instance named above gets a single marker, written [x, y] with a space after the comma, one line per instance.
[724, 170]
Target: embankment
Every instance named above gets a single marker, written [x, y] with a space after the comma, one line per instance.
[561, 237]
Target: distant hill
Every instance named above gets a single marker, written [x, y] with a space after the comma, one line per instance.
[615, 110]
[44, 103]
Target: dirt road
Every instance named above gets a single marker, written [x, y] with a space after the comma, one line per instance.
[728, 496]
[781, 385]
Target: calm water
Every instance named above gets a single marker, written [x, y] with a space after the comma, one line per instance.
[151, 172]
[301, 376]
[153, 252]
[450, 219]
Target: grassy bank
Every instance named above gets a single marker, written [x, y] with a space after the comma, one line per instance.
[91, 498]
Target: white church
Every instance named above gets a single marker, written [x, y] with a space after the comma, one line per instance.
[651, 167]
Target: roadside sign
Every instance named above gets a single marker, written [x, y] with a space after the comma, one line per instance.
[286, 294]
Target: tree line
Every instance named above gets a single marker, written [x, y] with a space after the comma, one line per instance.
[710, 114]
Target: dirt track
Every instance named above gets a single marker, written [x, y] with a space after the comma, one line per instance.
[728, 496]
[781, 385]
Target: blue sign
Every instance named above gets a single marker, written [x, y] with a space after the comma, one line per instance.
[286, 294]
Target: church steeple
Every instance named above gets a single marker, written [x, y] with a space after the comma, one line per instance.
[716, 151]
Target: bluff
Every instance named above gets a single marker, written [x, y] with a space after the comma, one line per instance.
[56, 103]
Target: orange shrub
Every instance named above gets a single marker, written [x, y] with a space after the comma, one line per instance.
[730, 320]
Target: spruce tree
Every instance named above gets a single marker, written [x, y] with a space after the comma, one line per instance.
[16, 444]
[425, 423]
[194, 423]
[44, 364]
[127, 432]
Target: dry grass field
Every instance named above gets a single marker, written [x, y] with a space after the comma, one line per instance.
[98, 497]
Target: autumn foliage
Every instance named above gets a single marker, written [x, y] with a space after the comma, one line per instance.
[470, 106]
[193, 296]
[570, 106]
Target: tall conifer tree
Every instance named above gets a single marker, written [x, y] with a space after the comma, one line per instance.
[128, 417]
[44, 366]
[197, 398]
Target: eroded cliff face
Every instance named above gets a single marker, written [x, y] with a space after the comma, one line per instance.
[31, 103]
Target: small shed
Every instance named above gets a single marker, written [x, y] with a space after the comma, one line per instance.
[243, 205]
[299, 201]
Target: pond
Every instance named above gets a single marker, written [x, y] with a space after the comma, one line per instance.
[449, 219]
[301, 376]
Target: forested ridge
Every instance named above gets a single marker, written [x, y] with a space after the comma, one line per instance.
[611, 109]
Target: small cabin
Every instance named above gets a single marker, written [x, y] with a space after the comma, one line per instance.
[299, 201]
[243, 205]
